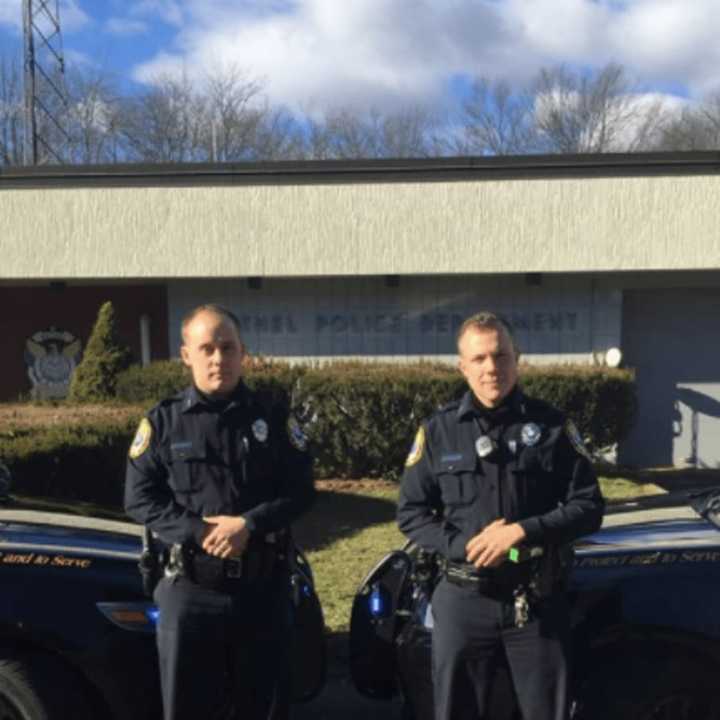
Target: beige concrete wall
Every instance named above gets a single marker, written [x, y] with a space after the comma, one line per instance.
[546, 225]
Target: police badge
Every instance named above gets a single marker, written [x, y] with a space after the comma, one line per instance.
[260, 430]
[484, 446]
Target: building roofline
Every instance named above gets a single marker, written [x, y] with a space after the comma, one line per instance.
[330, 172]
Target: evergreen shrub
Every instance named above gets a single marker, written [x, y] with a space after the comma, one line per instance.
[95, 377]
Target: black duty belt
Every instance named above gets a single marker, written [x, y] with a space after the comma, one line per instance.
[258, 563]
[494, 582]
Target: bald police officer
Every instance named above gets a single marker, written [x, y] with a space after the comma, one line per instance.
[218, 477]
[498, 484]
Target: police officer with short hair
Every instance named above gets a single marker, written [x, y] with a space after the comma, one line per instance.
[498, 484]
[218, 478]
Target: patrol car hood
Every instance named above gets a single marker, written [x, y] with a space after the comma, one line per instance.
[665, 522]
[54, 530]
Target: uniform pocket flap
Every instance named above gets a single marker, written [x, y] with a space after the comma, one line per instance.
[186, 451]
[456, 463]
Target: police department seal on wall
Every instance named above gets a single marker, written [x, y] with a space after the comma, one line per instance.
[51, 356]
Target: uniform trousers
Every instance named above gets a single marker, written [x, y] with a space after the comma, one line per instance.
[224, 654]
[470, 634]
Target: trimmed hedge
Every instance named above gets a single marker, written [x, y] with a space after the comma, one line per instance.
[363, 417]
[82, 462]
[360, 417]
[146, 386]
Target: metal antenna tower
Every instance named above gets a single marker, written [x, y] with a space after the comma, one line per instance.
[46, 101]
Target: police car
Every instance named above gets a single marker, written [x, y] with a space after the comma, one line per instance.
[645, 594]
[76, 629]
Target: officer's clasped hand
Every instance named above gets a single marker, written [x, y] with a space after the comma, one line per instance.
[225, 536]
[489, 548]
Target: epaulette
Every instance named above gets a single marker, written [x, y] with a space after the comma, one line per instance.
[177, 397]
[542, 407]
[167, 402]
[452, 406]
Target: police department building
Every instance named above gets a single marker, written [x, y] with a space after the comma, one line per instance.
[382, 260]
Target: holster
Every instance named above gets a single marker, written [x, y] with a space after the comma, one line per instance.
[150, 563]
[552, 570]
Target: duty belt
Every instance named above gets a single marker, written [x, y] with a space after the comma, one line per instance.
[510, 584]
[493, 582]
[466, 575]
[259, 562]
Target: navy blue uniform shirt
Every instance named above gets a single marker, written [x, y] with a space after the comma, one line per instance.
[194, 457]
[544, 482]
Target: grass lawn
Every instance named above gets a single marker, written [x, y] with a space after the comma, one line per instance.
[352, 527]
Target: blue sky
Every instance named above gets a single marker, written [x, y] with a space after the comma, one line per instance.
[314, 54]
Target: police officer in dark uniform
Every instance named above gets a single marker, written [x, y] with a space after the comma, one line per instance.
[498, 484]
[218, 478]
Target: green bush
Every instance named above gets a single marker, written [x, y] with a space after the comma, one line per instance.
[104, 357]
[363, 417]
[148, 385]
[360, 417]
[77, 462]
[601, 401]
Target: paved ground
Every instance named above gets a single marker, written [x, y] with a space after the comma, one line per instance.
[339, 700]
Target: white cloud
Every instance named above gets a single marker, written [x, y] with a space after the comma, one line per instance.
[72, 16]
[11, 13]
[322, 52]
[671, 41]
[169, 11]
[78, 58]
[312, 54]
[125, 26]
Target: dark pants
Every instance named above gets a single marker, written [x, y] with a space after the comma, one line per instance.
[470, 633]
[224, 654]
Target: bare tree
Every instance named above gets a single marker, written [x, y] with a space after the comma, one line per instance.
[580, 113]
[163, 124]
[697, 127]
[278, 136]
[11, 112]
[229, 115]
[561, 111]
[345, 134]
[93, 118]
[498, 121]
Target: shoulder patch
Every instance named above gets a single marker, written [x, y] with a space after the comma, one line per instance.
[575, 439]
[418, 446]
[141, 441]
[297, 437]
